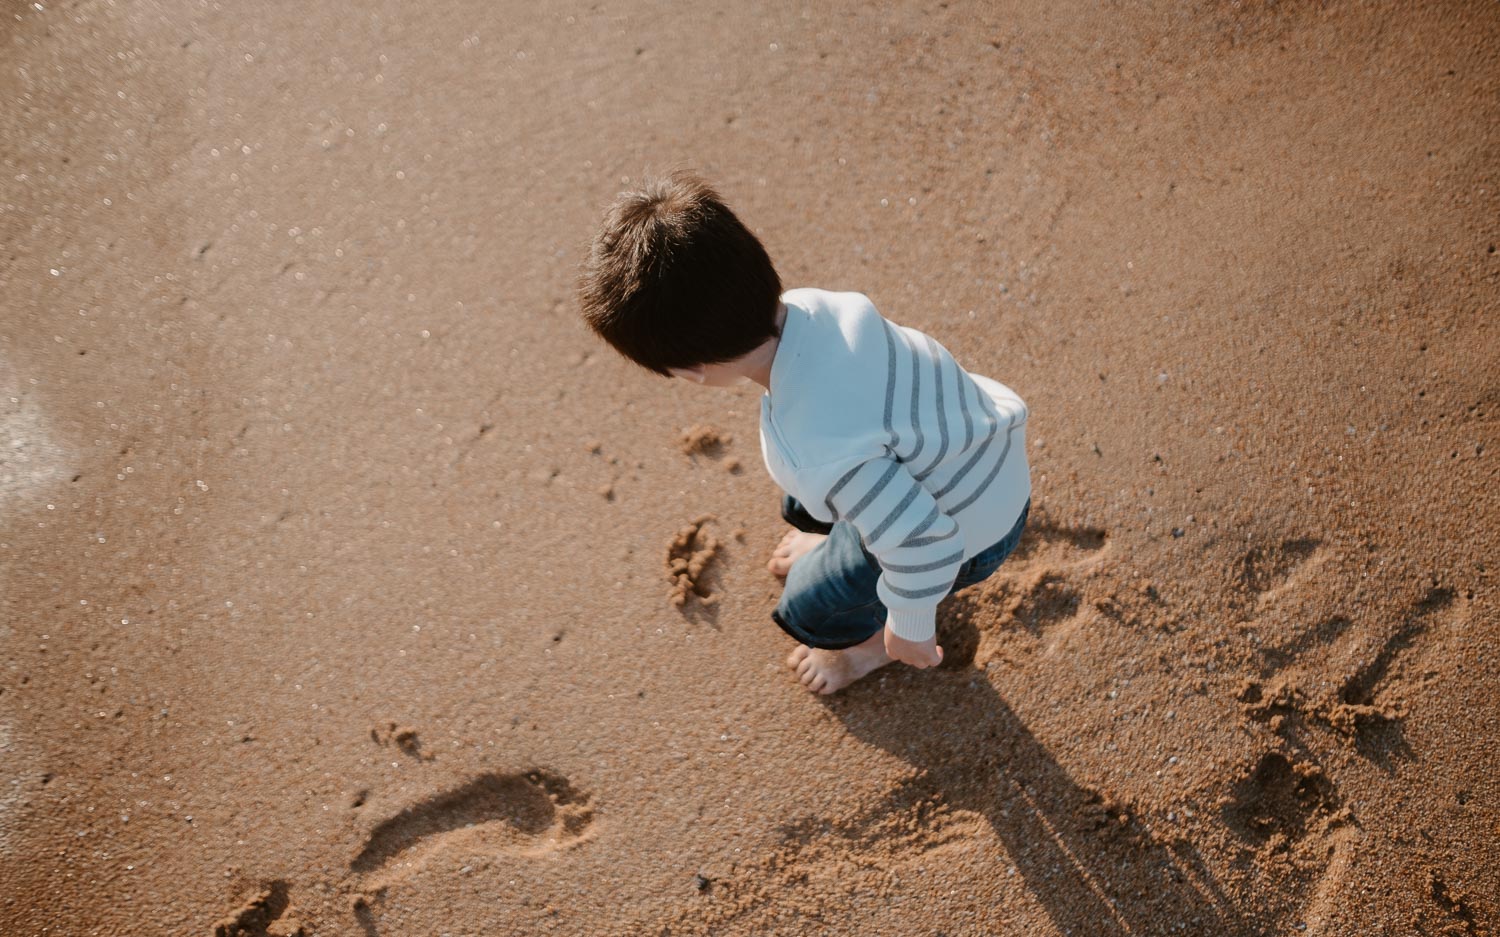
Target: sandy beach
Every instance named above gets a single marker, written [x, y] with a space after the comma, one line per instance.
[336, 593]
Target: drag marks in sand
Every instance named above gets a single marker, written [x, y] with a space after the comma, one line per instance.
[1334, 681]
[1349, 679]
[1072, 855]
[846, 859]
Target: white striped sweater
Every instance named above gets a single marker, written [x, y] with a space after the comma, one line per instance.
[876, 424]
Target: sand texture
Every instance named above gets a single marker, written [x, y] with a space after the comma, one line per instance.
[349, 586]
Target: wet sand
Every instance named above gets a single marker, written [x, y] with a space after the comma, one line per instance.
[335, 593]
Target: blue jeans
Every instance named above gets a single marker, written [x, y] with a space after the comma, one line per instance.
[830, 600]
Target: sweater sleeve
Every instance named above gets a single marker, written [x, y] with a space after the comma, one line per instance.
[919, 548]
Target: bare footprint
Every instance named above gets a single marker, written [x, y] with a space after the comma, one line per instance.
[1279, 797]
[1041, 588]
[529, 813]
[795, 545]
[264, 915]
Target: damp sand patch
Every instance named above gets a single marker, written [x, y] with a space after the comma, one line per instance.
[30, 457]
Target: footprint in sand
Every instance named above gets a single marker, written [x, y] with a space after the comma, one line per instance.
[1279, 797]
[1038, 588]
[531, 813]
[1268, 573]
[264, 915]
[1372, 693]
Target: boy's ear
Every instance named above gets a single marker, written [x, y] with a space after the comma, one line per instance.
[694, 374]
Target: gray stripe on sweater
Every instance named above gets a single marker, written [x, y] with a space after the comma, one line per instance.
[915, 542]
[988, 478]
[838, 486]
[990, 413]
[937, 377]
[963, 406]
[927, 522]
[874, 492]
[964, 469]
[890, 382]
[919, 593]
[916, 397]
[924, 567]
[891, 517]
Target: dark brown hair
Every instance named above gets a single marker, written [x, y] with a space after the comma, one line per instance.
[675, 280]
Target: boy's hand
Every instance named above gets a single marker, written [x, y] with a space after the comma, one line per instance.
[919, 654]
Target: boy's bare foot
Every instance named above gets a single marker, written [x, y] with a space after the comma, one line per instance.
[828, 672]
[792, 547]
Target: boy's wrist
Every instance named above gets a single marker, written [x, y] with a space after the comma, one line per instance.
[912, 624]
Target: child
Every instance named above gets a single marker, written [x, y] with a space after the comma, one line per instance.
[905, 476]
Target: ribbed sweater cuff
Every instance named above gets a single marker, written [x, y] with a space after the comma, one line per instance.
[913, 624]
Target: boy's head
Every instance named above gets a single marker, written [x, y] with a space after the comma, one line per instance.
[675, 280]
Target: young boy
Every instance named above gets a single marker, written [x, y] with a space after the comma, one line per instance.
[905, 476]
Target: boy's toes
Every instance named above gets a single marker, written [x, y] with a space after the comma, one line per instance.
[781, 557]
[798, 655]
[805, 668]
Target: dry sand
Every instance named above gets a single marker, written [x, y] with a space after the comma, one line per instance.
[334, 550]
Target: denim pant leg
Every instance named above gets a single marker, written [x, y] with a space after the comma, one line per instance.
[830, 599]
[795, 514]
[983, 565]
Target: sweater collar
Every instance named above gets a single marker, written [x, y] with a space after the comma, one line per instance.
[786, 347]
